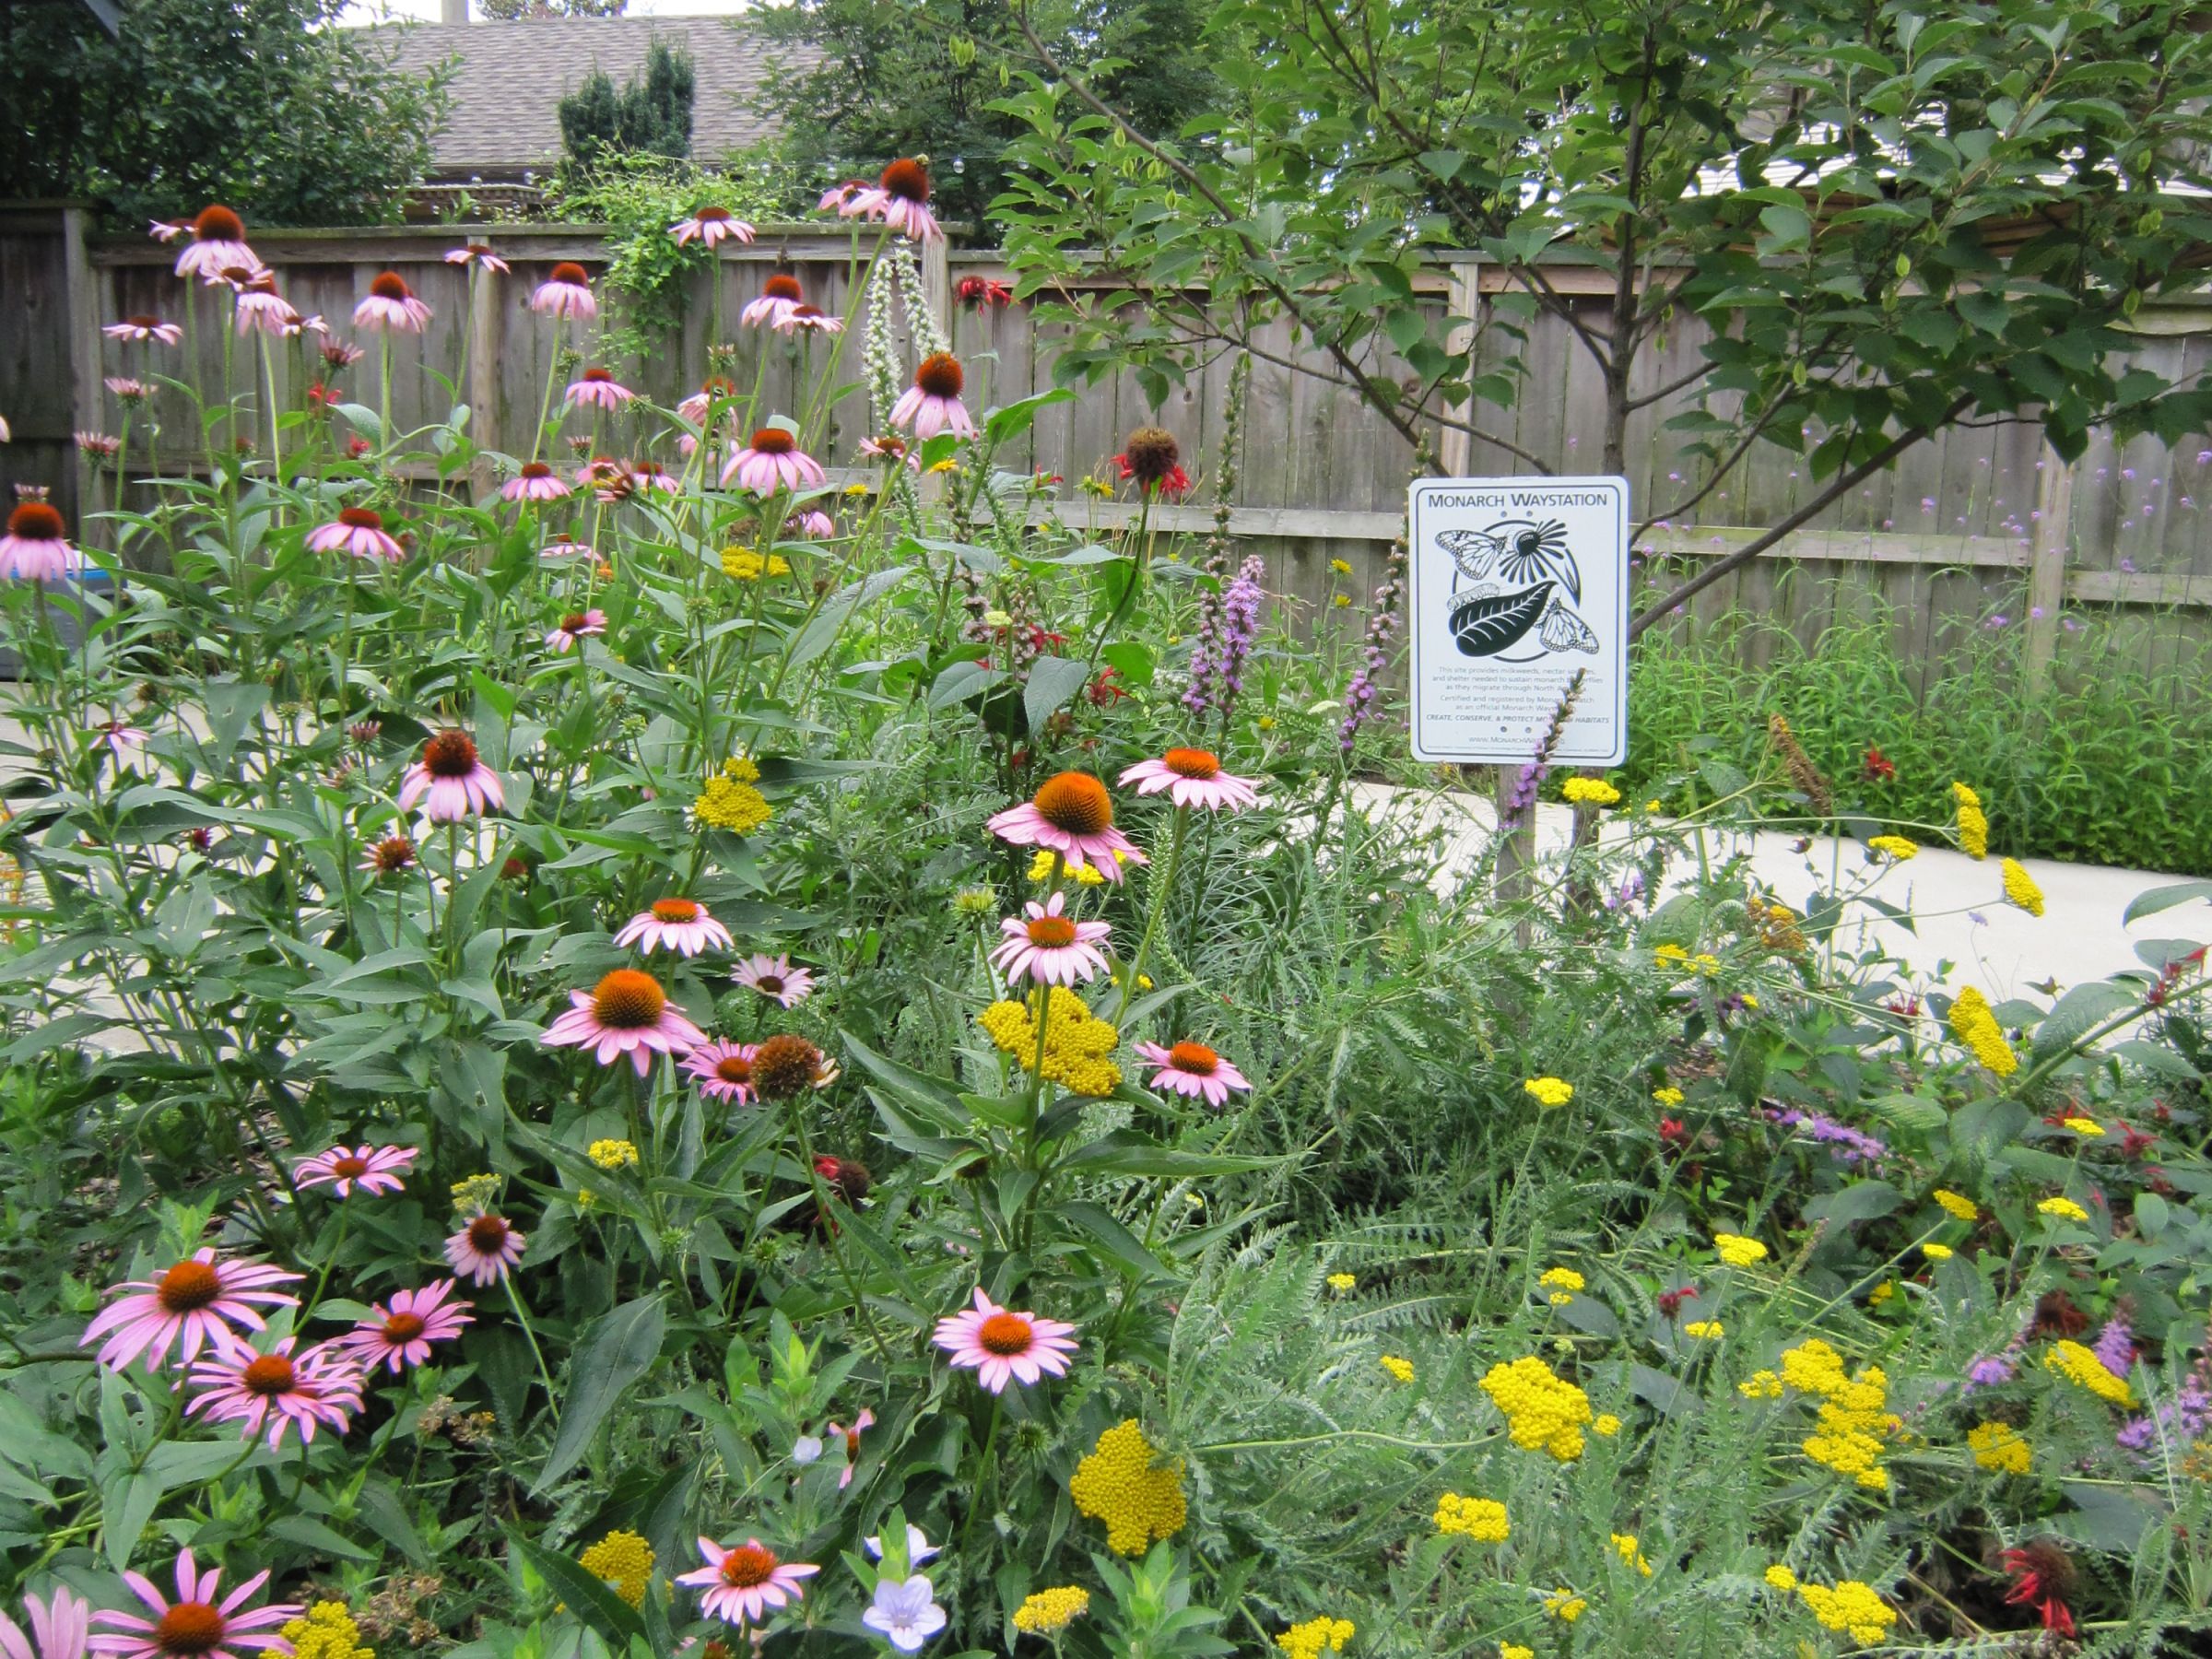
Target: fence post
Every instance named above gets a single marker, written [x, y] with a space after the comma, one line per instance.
[487, 332]
[1456, 448]
[82, 310]
[2051, 542]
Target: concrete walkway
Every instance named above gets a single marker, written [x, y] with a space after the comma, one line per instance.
[1964, 932]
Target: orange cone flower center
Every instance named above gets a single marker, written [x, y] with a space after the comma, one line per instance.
[1075, 802]
[218, 224]
[673, 909]
[348, 1167]
[570, 274]
[1006, 1334]
[361, 518]
[629, 1000]
[747, 1565]
[478, 249]
[599, 376]
[907, 178]
[733, 1069]
[188, 1286]
[713, 215]
[537, 469]
[939, 375]
[389, 285]
[269, 1374]
[189, 1626]
[784, 1064]
[36, 521]
[394, 853]
[1052, 931]
[575, 623]
[783, 286]
[403, 1327]
[487, 1234]
[1194, 1058]
[450, 755]
[774, 441]
[1192, 762]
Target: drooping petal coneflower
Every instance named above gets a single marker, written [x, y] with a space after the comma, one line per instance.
[535, 482]
[1001, 1346]
[576, 626]
[709, 226]
[455, 780]
[359, 531]
[932, 404]
[1193, 1069]
[36, 547]
[319, 1387]
[1072, 814]
[195, 1303]
[723, 1071]
[1192, 777]
[772, 460]
[391, 304]
[679, 924]
[625, 1013]
[776, 979]
[565, 293]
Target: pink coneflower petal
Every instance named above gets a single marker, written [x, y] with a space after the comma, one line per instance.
[142, 329]
[723, 1071]
[677, 925]
[932, 404]
[399, 1334]
[359, 531]
[451, 780]
[1072, 814]
[195, 1302]
[319, 1387]
[36, 547]
[772, 460]
[776, 979]
[565, 293]
[576, 626]
[1002, 1346]
[597, 388]
[58, 1628]
[485, 1249]
[535, 482]
[372, 1169]
[1050, 947]
[1193, 1069]
[196, 1626]
[710, 226]
[625, 1013]
[1192, 777]
[477, 254]
[391, 305]
[743, 1583]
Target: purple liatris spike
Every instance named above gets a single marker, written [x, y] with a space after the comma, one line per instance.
[1847, 1144]
[2115, 1347]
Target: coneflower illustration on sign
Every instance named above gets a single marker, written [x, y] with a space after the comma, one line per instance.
[1516, 576]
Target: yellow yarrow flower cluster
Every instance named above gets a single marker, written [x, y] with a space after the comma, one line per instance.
[1565, 1606]
[473, 1193]
[612, 1154]
[1315, 1637]
[1853, 1606]
[1957, 1203]
[1482, 1519]
[1738, 1250]
[1781, 1578]
[1624, 1546]
[1562, 1283]
[2082, 1125]
[1083, 874]
[1895, 847]
[1999, 1446]
[1937, 1253]
[1549, 1091]
[624, 1560]
[1543, 1412]
[2080, 1365]
[327, 1631]
[2020, 889]
[1606, 1425]
[1513, 1650]
[1704, 1330]
[1400, 1369]
[1076, 1042]
[1675, 955]
[1667, 1097]
[1341, 1282]
[1762, 1385]
[2064, 1209]
[1046, 1611]
[730, 802]
[1589, 792]
[741, 564]
[1123, 1484]
[1973, 824]
[1976, 1026]
[1854, 1412]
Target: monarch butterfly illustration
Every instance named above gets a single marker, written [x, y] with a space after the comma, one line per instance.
[1562, 630]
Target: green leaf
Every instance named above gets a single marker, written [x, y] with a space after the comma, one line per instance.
[589, 1598]
[1053, 680]
[1016, 418]
[1110, 1236]
[1861, 1200]
[2165, 898]
[617, 1349]
[2081, 1011]
[1126, 1152]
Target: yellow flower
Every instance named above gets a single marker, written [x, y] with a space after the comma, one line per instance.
[2020, 889]
[625, 1560]
[1957, 1203]
[2000, 1447]
[1750, 1000]
[1974, 1024]
[1781, 1578]
[1266, 723]
[1667, 1097]
[1123, 1483]
[856, 488]
[1076, 1042]
[2065, 1208]
[1853, 1606]
[1046, 1611]
[730, 802]
[1881, 1293]
[1606, 1425]
[1342, 601]
[1624, 1545]
[1549, 1091]
[1343, 567]
[1738, 1250]
[1482, 1519]
[1973, 825]
[585, 1198]
[612, 1154]
[1400, 1369]
[1762, 1385]
[1937, 1253]
[1315, 1637]
[1589, 792]
[1853, 1414]
[2080, 1365]
[2081, 1125]
[947, 466]
[1564, 1606]
[1653, 804]
[1561, 1278]
[1896, 846]
[1343, 1281]
[1041, 869]
[1513, 1650]
[474, 1192]
[1543, 1412]
[327, 1631]
[1704, 1330]
[741, 564]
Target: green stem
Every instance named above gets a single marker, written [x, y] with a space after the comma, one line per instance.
[1163, 880]
[521, 1317]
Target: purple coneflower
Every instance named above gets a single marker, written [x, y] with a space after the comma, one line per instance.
[219, 243]
[776, 979]
[359, 531]
[744, 1583]
[809, 319]
[36, 547]
[141, 329]
[1049, 948]
[772, 460]
[932, 404]
[57, 1629]
[535, 482]
[709, 226]
[1002, 1346]
[1192, 777]
[679, 924]
[811, 524]
[576, 626]
[1193, 1069]
[372, 1169]
[399, 1333]
[193, 1303]
[453, 778]
[196, 1626]
[599, 389]
[901, 199]
[485, 1249]
[321, 1387]
[625, 1013]
[390, 304]
[477, 254]
[565, 293]
[1072, 814]
[723, 1071]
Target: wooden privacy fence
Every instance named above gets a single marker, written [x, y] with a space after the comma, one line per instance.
[2112, 555]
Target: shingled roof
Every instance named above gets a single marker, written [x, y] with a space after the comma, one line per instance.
[506, 94]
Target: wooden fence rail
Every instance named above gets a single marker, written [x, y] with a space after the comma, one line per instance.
[2108, 555]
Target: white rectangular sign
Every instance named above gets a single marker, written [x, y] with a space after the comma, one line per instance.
[1515, 583]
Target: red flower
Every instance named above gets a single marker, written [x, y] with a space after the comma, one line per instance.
[1174, 486]
[2042, 1573]
[1674, 1132]
[1106, 690]
[357, 446]
[1880, 770]
[2134, 1143]
[1670, 1302]
[975, 292]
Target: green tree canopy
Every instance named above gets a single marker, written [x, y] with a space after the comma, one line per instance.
[265, 105]
[924, 78]
[647, 117]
